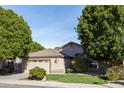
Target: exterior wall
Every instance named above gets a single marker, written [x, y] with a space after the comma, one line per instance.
[57, 65]
[68, 63]
[72, 49]
[51, 65]
[18, 60]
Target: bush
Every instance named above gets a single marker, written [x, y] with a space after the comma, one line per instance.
[37, 73]
[104, 77]
[4, 70]
[115, 73]
[69, 70]
[80, 63]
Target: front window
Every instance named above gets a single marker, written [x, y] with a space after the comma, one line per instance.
[94, 65]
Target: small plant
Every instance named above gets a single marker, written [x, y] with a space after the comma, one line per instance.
[115, 73]
[37, 73]
[69, 70]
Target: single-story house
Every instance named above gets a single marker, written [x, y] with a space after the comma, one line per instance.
[48, 59]
[54, 60]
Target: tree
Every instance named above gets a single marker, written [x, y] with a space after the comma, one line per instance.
[36, 47]
[100, 30]
[15, 36]
[80, 63]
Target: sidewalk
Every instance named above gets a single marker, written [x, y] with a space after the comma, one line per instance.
[52, 84]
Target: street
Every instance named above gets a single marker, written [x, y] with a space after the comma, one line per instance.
[2, 85]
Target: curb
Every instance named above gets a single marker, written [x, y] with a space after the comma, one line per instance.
[52, 84]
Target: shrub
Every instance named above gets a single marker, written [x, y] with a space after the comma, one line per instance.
[104, 77]
[69, 70]
[4, 70]
[37, 73]
[115, 73]
[80, 63]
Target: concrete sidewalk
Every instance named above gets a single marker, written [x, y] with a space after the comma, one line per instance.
[51, 84]
[60, 84]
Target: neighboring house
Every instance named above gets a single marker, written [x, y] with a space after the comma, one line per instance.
[15, 65]
[54, 60]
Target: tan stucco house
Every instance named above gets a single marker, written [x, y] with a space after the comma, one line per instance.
[54, 60]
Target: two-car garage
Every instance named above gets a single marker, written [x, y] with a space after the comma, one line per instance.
[48, 59]
[39, 63]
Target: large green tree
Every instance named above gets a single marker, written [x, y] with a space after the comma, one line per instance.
[15, 36]
[36, 47]
[100, 30]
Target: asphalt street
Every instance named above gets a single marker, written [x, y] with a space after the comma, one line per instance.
[2, 85]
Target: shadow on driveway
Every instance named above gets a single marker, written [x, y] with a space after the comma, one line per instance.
[119, 82]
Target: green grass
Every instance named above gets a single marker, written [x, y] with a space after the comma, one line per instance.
[71, 78]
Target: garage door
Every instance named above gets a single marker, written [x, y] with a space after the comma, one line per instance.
[42, 64]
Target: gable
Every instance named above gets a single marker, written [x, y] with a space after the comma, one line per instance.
[72, 49]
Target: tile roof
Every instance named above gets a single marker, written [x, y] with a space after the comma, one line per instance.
[46, 53]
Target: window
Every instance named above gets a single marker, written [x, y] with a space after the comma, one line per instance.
[94, 65]
[34, 61]
[77, 54]
[44, 61]
[56, 61]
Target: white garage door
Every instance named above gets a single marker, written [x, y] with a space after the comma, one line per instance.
[42, 64]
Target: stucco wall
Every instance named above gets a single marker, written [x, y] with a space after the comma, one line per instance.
[57, 65]
[51, 65]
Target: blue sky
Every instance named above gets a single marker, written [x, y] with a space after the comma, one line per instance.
[51, 26]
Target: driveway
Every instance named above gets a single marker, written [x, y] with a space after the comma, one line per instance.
[14, 76]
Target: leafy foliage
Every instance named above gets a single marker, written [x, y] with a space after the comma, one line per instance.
[100, 30]
[80, 63]
[115, 73]
[36, 47]
[15, 35]
[4, 70]
[37, 73]
[69, 70]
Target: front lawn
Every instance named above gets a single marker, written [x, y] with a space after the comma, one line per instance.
[71, 78]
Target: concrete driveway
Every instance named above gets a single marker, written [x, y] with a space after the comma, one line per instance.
[14, 76]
